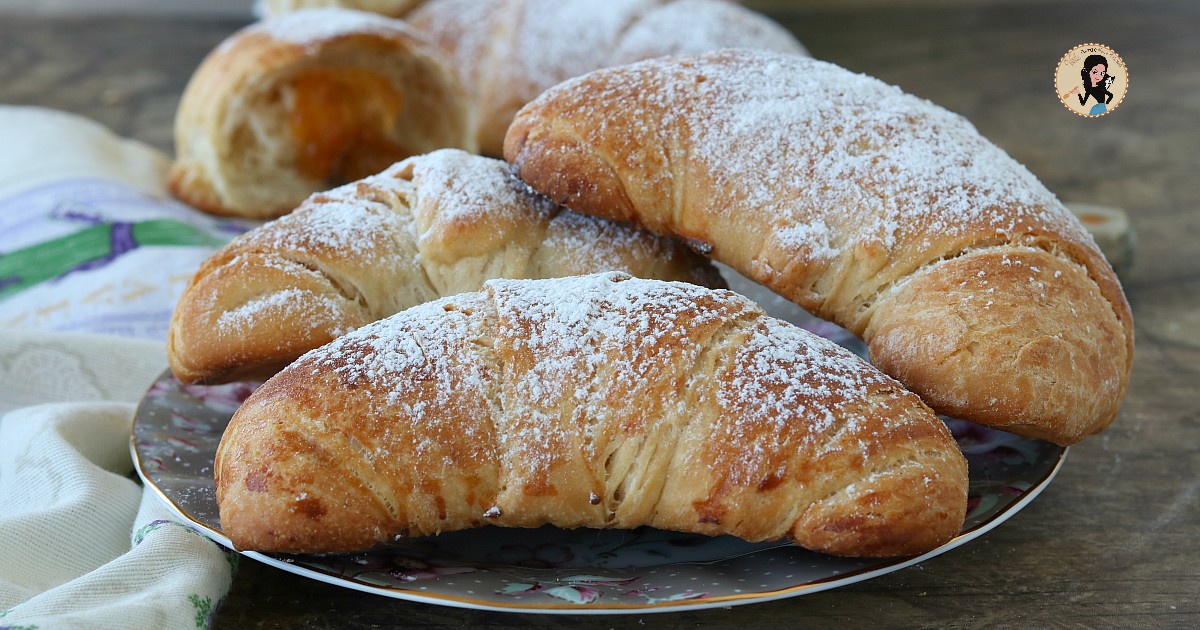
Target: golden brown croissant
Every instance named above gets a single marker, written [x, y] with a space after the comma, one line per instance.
[591, 401]
[968, 279]
[433, 225]
[307, 101]
[507, 51]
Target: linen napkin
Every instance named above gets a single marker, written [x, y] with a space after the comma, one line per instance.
[82, 544]
[90, 243]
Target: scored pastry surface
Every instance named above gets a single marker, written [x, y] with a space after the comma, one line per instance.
[591, 401]
[893, 217]
[430, 226]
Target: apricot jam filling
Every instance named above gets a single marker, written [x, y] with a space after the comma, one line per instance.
[339, 122]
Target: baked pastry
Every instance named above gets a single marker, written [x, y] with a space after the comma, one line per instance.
[390, 8]
[591, 401]
[307, 101]
[432, 225]
[967, 278]
[508, 51]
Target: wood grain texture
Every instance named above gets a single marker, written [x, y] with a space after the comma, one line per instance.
[1111, 543]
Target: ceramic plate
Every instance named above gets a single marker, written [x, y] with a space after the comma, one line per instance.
[548, 570]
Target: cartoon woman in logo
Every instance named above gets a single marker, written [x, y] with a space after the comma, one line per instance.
[1096, 84]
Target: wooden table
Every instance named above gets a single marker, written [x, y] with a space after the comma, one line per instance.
[1115, 539]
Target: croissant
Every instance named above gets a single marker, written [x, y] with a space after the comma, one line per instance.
[506, 52]
[432, 225]
[969, 281]
[306, 101]
[590, 401]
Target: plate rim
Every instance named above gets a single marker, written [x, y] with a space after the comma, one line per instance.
[568, 608]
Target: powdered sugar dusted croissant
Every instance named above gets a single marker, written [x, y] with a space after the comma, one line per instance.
[591, 401]
[307, 101]
[507, 52]
[969, 280]
[432, 225]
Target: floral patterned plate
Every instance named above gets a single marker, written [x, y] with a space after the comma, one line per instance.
[548, 570]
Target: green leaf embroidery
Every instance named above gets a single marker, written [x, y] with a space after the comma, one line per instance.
[204, 606]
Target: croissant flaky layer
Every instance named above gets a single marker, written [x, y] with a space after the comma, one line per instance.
[432, 225]
[969, 280]
[306, 101]
[591, 401]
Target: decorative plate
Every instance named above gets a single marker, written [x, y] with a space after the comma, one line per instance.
[548, 570]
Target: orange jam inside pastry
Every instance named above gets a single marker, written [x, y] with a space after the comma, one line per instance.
[341, 120]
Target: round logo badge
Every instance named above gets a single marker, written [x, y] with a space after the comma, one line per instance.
[1091, 80]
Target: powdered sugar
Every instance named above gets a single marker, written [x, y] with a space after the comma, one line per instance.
[582, 349]
[327, 224]
[800, 142]
[574, 325]
[465, 188]
[270, 308]
[784, 367]
[416, 362]
[814, 237]
[432, 225]
[564, 38]
[697, 26]
[508, 51]
[312, 26]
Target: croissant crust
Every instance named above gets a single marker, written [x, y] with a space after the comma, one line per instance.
[432, 225]
[591, 401]
[971, 283]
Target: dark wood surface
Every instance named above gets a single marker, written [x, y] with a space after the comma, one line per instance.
[1115, 539]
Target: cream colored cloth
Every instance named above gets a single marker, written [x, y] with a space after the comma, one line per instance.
[82, 544]
[89, 243]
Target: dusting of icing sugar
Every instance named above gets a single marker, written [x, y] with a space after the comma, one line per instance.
[574, 351]
[804, 142]
[415, 360]
[329, 223]
[502, 47]
[470, 188]
[590, 244]
[697, 26]
[464, 30]
[421, 385]
[816, 237]
[600, 316]
[565, 38]
[390, 240]
[587, 343]
[254, 313]
[615, 333]
[313, 26]
[459, 189]
[789, 391]
[450, 188]
[783, 369]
